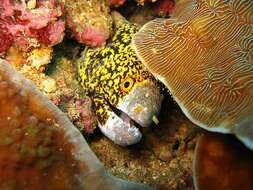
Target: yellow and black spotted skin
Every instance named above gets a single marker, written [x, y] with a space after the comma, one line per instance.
[108, 74]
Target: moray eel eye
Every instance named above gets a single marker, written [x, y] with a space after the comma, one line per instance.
[127, 84]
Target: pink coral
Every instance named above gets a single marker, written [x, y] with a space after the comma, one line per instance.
[116, 3]
[164, 7]
[19, 23]
[93, 36]
[89, 21]
[88, 117]
[52, 34]
[5, 40]
[89, 35]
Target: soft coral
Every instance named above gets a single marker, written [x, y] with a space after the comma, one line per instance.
[6, 39]
[89, 21]
[18, 22]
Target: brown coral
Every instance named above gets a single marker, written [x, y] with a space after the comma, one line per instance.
[37, 148]
[222, 162]
[204, 55]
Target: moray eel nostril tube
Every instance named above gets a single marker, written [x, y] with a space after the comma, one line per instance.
[117, 80]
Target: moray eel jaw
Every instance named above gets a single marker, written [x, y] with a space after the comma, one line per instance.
[135, 110]
[120, 131]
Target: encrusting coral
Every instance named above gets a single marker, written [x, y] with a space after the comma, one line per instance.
[24, 24]
[87, 116]
[40, 148]
[203, 54]
[32, 64]
[89, 21]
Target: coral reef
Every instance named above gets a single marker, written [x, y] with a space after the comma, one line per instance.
[208, 62]
[89, 21]
[25, 24]
[40, 148]
[28, 30]
[144, 12]
[68, 95]
[39, 57]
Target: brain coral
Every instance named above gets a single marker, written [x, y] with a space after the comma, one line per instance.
[204, 55]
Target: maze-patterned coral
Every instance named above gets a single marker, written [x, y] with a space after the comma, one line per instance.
[204, 55]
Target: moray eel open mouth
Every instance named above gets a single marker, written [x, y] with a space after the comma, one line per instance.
[121, 128]
[134, 111]
[125, 117]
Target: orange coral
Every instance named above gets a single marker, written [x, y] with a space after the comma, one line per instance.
[35, 152]
[222, 162]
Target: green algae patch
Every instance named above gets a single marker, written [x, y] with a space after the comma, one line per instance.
[43, 151]
[8, 141]
[32, 131]
[42, 164]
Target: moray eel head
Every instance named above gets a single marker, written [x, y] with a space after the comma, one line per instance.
[125, 94]
[134, 110]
